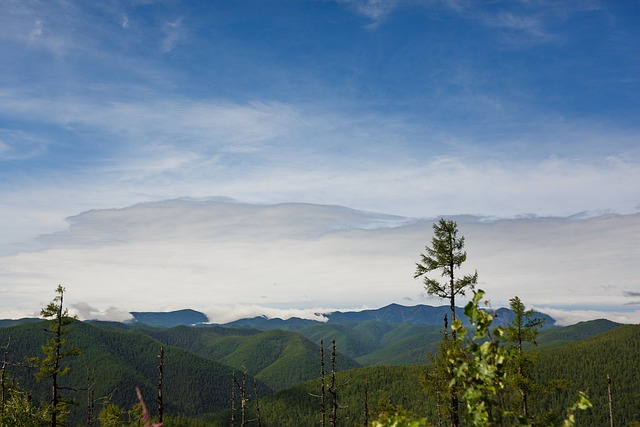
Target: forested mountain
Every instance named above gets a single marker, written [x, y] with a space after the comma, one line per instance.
[200, 362]
[279, 358]
[555, 337]
[5, 323]
[585, 365]
[560, 374]
[119, 361]
[420, 315]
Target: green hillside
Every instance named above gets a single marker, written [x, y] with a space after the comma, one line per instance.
[279, 358]
[581, 366]
[555, 337]
[122, 360]
[585, 365]
[200, 361]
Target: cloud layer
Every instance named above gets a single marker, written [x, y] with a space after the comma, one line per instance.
[230, 259]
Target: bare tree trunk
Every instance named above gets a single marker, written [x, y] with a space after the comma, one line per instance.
[91, 382]
[366, 403]
[437, 386]
[233, 399]
[3, 386]
[56, 365]
[243, 399]
[332, 387]
[610, 400]
[160, 383]
[322, 385]
[255, 392]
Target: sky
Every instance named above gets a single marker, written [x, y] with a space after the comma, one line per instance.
[289, 157]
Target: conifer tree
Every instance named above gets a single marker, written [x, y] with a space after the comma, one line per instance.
[51, 366]
[446, 254]
[522, 329]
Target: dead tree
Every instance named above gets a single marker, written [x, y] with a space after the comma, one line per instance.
[610, 400]
[255, 393]
[322, 385]
[332, 387]
[366, 402]
[242, 387]
[3, 375]
[233, 399]
[160, 384]
[91, 383]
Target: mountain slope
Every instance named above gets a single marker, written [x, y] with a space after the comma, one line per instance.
[279, 358]
[555, 337]
[585, 366]
[119, 361]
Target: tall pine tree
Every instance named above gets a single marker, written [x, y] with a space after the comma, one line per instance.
[446, 255]
[51, 366]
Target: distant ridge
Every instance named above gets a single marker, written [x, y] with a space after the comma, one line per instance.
[423, 315]
[6, 323]
[392, 313]
[186, 317]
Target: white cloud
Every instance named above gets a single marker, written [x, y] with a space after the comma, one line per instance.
[85, 311]
[225, 314]
[570, 317]
[220, 256]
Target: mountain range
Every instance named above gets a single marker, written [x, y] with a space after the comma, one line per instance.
[201, 361]
[392, 313]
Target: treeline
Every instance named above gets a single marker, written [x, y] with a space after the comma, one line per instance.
[198, 390]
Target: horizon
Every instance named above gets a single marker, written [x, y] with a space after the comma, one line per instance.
[291, 157]
[318, 317]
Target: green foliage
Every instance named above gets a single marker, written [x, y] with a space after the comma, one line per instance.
[391, 416]
[111, 415]
[524, 327]
[479, 368]
[19, 411]
[521, 330]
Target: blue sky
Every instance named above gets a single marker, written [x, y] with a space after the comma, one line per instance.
[496, 109]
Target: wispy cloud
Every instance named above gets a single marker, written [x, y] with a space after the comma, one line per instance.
[375, 10]
[174, 34]
[20, 145]
[525, 28]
